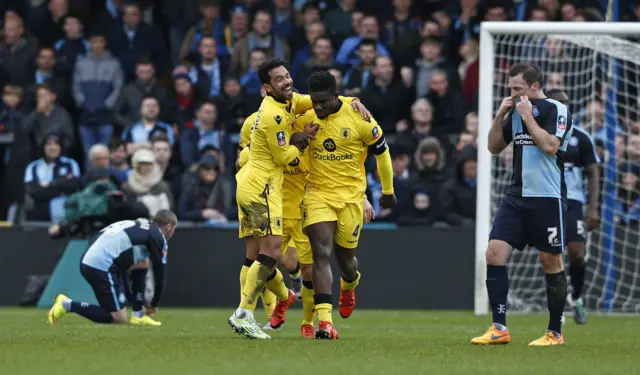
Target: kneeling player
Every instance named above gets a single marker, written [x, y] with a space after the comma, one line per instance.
[334, 194]
[533, 211]
[118, 248]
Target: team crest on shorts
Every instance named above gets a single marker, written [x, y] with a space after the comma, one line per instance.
[535, 111]
[277, 222]
[282, 140]
[562, 122]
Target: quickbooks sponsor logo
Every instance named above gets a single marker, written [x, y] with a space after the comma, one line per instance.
[523, 139]
[332, 157]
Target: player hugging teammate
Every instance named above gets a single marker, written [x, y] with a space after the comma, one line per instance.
[283, 142]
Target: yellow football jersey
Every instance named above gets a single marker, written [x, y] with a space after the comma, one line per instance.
[245, 132]
[295, 174]
[338, 153]
[270, 149]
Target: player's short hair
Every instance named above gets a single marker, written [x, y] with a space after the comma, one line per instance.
[369, 42]
[207, 102]
[553, 92]
[432, 39]
[266, 67]
[164, 217]
[45, 86]
[115, 143]
[161, 137]
[322, 37]
[530, 73]
[322, 81]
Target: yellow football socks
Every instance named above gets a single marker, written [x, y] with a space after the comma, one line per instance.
[243, 277]
[277, 286]
[255, 283]
[296, 274]
[324, 312]
[308, 306]
[268, 301]
[352, 285]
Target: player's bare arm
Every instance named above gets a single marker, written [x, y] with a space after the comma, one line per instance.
[496, 140]
[593, 175]
[548, 143]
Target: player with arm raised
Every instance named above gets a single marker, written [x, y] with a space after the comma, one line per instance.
[581, 160]
[259, 192]
[121, 247]
[533, 211]
[332, 210]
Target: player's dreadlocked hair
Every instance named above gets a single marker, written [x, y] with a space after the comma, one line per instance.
[265, 68]
[322, 81]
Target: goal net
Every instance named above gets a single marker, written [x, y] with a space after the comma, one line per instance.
[599, 69]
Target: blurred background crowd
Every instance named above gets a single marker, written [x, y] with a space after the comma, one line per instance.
[142, 102]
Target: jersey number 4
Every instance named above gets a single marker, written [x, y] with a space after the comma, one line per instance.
[356, 231]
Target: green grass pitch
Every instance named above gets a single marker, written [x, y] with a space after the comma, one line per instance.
[198, 341]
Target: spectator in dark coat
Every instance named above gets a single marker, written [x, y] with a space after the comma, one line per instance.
[458, 195]
[127, 110]
[14, 148]
[46, 73]
[283, 20]
[71, 46]
[210, 68]
[429, 164]
[49, 117]
[48, 181]
[234, 105]
[99, 157]
[108, 16]
[313, 31]
[46, 24]
[446, 103]
[135, 39]
[180, 15]
[17, 54]
[97, 82]
[171, 173]
[388, 98]
[198, 188]
[401, 31]
[339, 22]
[187, 98]
[321, 59]
[250, 80]
[118, 155]
[358, 76]
[207, 132]
[423, 212]
[210, 25]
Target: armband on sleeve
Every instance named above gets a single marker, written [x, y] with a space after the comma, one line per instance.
[379, 147]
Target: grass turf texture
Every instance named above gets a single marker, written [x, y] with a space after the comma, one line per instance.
[372, 342]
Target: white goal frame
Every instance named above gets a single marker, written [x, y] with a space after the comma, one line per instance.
[485, 118]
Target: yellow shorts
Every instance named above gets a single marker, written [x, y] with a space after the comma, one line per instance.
[349, 217]
[259, 214]
[293, 236]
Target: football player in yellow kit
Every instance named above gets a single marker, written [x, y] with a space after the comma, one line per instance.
[332, 211]
[259, 192]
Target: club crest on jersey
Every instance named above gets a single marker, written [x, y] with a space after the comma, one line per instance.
[573, 141]
[295, 162]
[345, 133]
[535, 111]
[562, 122]
[329, 145]
[281, 138]
[375, 132]
[278, 119]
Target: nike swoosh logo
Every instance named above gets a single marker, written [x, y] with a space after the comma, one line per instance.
[494, 337]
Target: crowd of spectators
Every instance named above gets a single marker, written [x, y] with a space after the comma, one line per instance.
[152, 95]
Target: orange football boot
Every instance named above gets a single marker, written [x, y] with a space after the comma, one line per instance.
[326, 331]
[347, 302]
[280, 312]
[307, 331]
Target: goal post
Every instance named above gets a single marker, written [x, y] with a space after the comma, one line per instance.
[600, 58]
